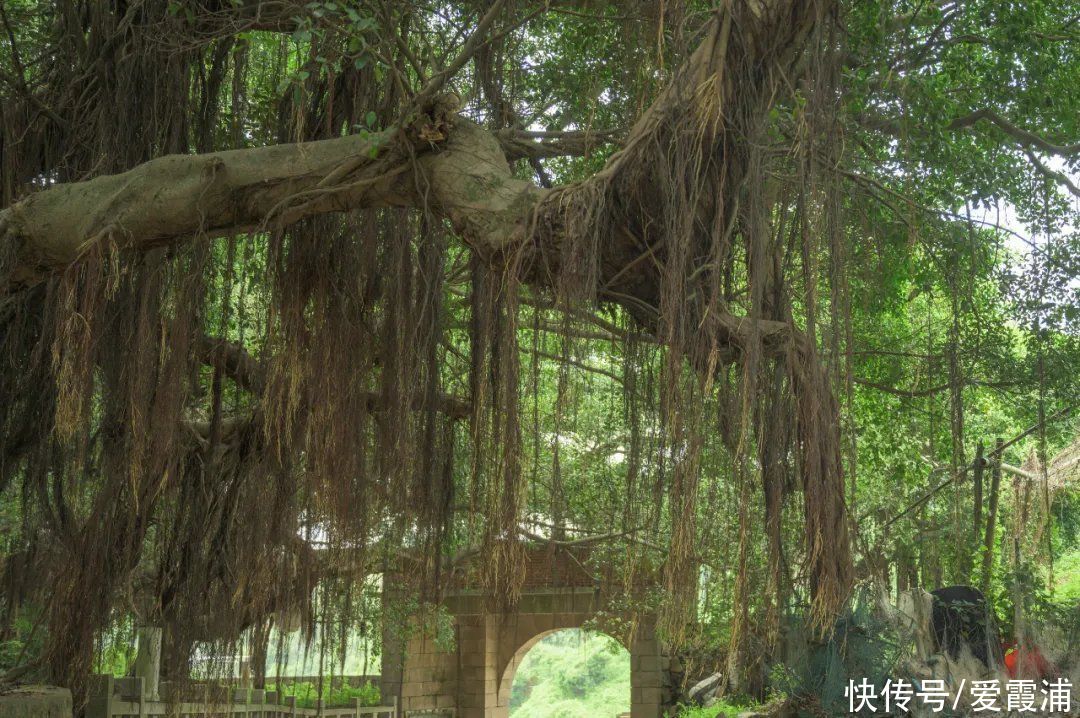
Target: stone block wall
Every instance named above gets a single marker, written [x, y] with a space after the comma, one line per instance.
[430, 675]
[473, 678]
[36, 702]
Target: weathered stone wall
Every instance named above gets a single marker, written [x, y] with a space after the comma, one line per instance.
[474, 677]
[431, 675]
[36, 702]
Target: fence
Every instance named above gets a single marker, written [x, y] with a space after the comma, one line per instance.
[125, 698]
[352, 680]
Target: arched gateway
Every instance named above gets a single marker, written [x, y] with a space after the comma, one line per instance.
[472, 678]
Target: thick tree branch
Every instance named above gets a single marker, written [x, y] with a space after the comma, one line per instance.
[525, 144]
[217, 19]
[1024, 137]
[1059, 177]
[931, 390]
[178, 197]
[245, 370]
[233, 360]
[472, 44]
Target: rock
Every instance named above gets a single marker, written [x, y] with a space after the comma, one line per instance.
[36, 702]
[705, 689]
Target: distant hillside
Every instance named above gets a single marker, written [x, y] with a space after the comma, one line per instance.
[572, 674]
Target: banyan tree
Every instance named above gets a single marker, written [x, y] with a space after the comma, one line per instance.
[273, 273]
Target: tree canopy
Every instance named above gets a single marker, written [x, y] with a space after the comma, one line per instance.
[738, 294]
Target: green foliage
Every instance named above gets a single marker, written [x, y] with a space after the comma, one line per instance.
[307, 694]
[923, 293]
[117, 648]
[817, 672]
[721, 709]
[23, 641]
[572, 674]
[1067, 576]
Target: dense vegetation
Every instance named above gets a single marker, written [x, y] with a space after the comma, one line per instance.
[741, 296]
[572, 674]
[308, 694]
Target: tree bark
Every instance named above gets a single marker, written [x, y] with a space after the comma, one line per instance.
[977, 473]
[179, 197]
[991, 518]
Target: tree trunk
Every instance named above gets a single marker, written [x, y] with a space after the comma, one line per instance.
[991, 518]
[977, 495]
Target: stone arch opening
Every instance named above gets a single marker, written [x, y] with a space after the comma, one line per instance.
[601, 670]
[473, 678]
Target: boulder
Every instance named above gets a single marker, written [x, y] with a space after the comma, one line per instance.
[706, 689]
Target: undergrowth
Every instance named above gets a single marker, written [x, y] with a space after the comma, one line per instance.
[307, 693]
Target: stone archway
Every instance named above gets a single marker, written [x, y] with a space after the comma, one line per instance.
[540, 614]
[467, 679]
[464, 677]
[506, 681]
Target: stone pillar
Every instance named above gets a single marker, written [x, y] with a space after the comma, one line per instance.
[646, 674]
[494, 625]
[392, 657]
[392, 661]
[148, 660]
[476, 658]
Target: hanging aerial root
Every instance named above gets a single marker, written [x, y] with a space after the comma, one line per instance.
[827, 547]
[79, 294]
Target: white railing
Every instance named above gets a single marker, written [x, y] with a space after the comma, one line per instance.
[124, 698]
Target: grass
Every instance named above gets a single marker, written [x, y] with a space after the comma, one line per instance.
[720, 710]
[1067, 576]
